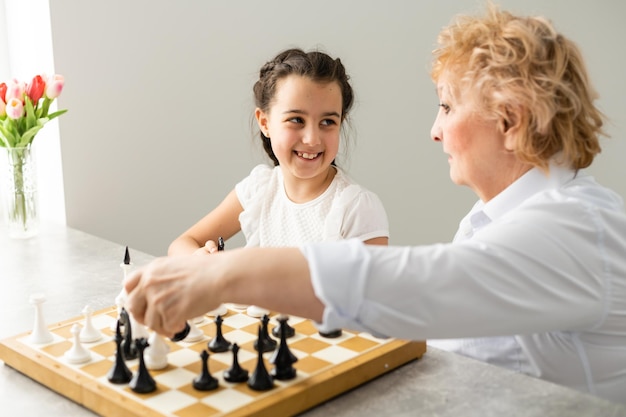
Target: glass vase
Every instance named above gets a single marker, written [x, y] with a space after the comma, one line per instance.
[19, 191]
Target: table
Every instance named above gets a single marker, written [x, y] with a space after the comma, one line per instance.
[73, 268]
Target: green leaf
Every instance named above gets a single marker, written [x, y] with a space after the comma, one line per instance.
[31, 120]
[8, 139]
[28, 136]
[56, 114]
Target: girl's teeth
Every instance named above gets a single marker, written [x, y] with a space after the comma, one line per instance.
[307, 155]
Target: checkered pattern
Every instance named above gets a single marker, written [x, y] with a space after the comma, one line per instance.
[319, 359]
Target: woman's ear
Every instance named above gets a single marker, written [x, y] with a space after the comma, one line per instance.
[510, 126]
[261, 119]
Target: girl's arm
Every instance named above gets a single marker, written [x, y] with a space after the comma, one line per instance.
[222, 221]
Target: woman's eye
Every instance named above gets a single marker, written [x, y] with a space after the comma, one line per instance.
[445, 107]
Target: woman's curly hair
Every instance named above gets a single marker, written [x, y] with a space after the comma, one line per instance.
[522, 62]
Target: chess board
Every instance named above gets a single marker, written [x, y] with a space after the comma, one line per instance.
[326, 367]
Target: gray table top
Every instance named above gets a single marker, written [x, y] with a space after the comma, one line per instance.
[73, 269]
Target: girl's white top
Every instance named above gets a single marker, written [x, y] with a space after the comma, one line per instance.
[535, 280]
[345, 210]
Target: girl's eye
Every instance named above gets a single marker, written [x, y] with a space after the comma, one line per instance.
[445, 107]
[296, 120]
[328, 122]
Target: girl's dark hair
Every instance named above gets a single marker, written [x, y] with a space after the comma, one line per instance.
[315, 65]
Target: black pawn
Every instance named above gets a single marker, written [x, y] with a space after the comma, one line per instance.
[219, 343]
[205, 381]
[220, 243]
[289, 331]
[283, 359]
[265, 342]
[142, 381]
[119, 373]
[332, 334]
[260, 380]
[235, 373]
[182, 334]
[129, 350]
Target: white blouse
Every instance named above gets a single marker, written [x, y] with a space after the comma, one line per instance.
[535, 280]
[345, 210]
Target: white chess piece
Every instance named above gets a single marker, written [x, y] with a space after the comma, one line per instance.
[40, 333]
[155, 355]
[195, 334]
[138, 329]
[256, 311]
[89, 333]
[77, 353]
[220, 311]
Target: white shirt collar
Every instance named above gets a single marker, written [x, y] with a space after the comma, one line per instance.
[532, 182]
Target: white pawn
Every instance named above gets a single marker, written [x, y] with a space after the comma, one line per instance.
[155, 355]
[198, 320]
[256, 311]
[220, 311]
[89, 333]
[40, 333]
[77, 353]
[195, 334]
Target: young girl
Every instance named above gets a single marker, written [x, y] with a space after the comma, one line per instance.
[302, 100]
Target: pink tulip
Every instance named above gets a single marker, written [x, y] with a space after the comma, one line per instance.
[15, 89]
[54, 86]
[15, 108]
[35, 89]
[3, 109]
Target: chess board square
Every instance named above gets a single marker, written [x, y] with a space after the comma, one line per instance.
[174, 378]
[169, 401]
[213, 365]
[358, 344]
[241, 337]
[57, 349]
[105, 349]
[335, 354]
[182, 357]
[228, 400]
[305, 327]
[97, 369]
[309, 345]
[311, 364]
[238, 321]
[197, 409]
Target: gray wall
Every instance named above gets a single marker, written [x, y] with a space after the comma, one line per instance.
[159, 128]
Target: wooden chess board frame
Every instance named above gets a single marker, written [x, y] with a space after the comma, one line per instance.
[290, 398]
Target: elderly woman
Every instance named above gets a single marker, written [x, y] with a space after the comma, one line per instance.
[535, 279]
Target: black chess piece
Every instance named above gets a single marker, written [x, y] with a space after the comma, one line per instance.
[129, 350]
[236, 373]
[205, 381]
[182, 334]
[260, 380]
[219, 342]
[126, 257]
[220, 243]
[265, 341]
[333, 334]
[142, 381]
[119, 373]
[283, 358]
[289, 332]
